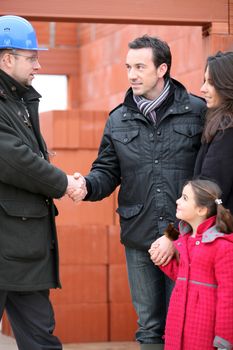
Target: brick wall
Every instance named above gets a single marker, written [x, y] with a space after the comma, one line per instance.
[94, 304]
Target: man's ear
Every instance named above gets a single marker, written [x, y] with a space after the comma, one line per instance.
[162, 70]
[7, 59]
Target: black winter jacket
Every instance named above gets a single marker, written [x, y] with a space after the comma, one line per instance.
[28, 182]
[149, 162]
[215, 162]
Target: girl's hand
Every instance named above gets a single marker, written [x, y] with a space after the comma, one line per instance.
[162, 251]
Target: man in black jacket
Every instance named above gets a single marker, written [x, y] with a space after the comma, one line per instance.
[149, 147]
[28, 182]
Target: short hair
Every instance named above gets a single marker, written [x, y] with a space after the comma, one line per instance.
[2, 52]
[160, 50]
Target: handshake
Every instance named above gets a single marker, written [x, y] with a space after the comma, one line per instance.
[76, 188]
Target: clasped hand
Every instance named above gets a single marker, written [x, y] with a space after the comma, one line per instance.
[161, 251]
[76, 188]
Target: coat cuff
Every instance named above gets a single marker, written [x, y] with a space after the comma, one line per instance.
[221, 343]
[89, 189]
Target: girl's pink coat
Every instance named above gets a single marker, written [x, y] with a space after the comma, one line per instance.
[201, 306]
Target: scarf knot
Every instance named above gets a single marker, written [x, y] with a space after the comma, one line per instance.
[148, 107]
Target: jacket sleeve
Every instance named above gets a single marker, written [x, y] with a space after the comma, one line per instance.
[171, 269]
[24, 169]
[105, 173]
[218, 162]
[224, 307]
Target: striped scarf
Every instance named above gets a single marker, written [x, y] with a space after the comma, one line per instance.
[148, 107]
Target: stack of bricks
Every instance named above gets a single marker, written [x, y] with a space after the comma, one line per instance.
[94, 303]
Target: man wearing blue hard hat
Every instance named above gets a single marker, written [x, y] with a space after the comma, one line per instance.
[28, 183]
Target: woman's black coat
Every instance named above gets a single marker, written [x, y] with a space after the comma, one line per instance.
[215, 162]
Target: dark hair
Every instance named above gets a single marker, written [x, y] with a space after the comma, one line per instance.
[160, 49]
[206, 193]
[221, 74]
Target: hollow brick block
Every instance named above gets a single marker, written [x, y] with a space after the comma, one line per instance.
[83, 244]
[81, 284]
[77, 323]
[116, 249]
[118, 284]
[123, 322]
[85, 213]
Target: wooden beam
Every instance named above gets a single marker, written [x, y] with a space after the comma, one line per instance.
[173, 12]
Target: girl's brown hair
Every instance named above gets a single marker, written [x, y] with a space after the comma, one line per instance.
[220, 68]
[208, 194]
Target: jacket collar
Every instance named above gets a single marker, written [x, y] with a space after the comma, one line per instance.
[181, 103]
[9, 87]
[177, 102]
[207, 230]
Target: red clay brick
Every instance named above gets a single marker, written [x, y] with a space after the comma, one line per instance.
[82, 284]
[123, 322]
[83, 244]
[42, 32]
[91, 213]
[6, 327]
[118, 284]
[82, 322]
[66, 34]
[116, 249]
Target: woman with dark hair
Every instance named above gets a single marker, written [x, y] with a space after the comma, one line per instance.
[215, 157]
[200, 314]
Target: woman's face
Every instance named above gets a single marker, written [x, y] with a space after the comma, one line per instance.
[211, 96]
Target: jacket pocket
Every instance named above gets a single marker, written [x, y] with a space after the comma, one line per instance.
[128, 148]
[188, 130]
[125, 136]
[23, 230]
[184, 145]
[129, 211]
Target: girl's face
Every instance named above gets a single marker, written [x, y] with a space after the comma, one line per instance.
[187, 208]
[211, 95]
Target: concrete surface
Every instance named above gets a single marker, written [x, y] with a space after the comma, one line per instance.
[8, 343]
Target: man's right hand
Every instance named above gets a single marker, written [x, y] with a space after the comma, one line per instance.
[76, 188]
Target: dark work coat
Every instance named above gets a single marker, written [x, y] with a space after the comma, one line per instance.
[215, 162]
[149, 161]
[28, 182]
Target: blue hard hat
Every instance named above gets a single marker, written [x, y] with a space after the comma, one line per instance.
[17, 33]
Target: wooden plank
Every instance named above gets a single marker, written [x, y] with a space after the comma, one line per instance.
[184, 12]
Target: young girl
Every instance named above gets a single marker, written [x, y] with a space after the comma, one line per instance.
[200, 314]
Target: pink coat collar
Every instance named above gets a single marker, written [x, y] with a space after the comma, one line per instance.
[207, 230]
